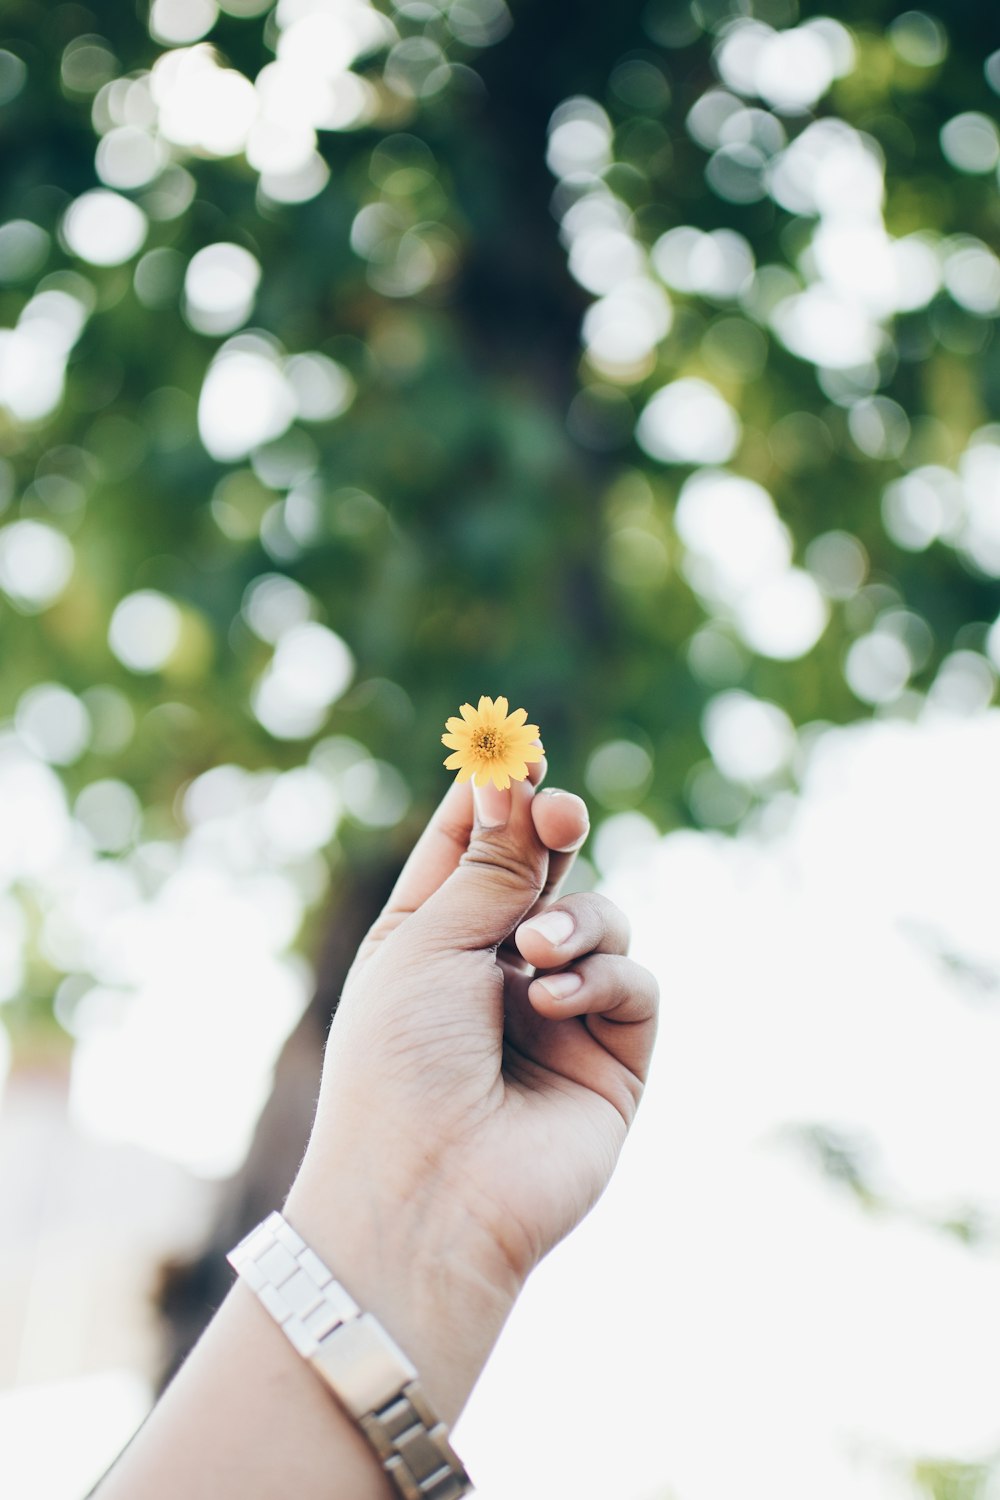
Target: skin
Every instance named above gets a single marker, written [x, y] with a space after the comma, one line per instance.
[470, 1114]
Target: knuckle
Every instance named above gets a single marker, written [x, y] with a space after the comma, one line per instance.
[385, 925]
[627, 986]
[623, 991]
[517, 871]
[646, 991]
[606, 920]
[633, 1089]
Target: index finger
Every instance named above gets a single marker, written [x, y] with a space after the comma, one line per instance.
[563, 824]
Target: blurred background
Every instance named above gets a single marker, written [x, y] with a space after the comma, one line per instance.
[637, 362]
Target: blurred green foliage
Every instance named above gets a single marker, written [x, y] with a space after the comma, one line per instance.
[479, 517]
[953, 1481]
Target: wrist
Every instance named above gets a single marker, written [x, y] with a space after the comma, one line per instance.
[422, 1275]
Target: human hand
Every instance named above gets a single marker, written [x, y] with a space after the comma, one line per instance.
[474, 1102]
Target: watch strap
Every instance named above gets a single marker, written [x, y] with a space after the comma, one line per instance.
[352, 1353]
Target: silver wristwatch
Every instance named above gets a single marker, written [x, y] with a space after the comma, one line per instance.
[353, 1354]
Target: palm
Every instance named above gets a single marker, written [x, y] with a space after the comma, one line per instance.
[545, 1153]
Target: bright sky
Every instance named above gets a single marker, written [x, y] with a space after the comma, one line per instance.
[729, 1322]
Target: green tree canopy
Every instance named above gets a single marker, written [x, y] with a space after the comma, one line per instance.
[634, 361]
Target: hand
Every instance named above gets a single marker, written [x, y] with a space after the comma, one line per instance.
[474, 1099]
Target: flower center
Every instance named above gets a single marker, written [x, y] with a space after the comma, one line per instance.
[488, 743]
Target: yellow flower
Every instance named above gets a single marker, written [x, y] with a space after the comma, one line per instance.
[490, 743]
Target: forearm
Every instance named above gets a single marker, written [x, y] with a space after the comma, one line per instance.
[247, 1416]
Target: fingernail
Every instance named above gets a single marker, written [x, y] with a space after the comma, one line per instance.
[491, 804]
[561, 986]
[556, 927]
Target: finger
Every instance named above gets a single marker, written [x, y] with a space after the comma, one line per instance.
[440, 847]
[563, 825]
[498, 878]
[561, 819]
[582, 923]
[436, 853]
[618, 998]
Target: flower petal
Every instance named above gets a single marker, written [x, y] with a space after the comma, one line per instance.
[489, 743]
[523, 736]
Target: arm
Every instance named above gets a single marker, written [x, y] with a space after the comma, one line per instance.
[470, 1114]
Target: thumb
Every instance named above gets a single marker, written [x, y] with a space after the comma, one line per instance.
[498, 879]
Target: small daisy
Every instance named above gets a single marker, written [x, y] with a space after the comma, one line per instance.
[490, 744]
